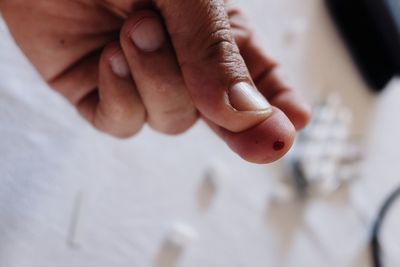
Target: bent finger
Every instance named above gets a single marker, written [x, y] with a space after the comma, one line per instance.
[157, 74]
[273, 86]
[116, 108]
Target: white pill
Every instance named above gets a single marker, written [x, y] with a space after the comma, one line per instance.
[181, 235]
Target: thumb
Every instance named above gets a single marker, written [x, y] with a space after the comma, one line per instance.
[213, 69]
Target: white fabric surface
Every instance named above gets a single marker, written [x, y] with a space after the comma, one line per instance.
[134, 191]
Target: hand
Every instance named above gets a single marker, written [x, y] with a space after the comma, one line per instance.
[197, 66]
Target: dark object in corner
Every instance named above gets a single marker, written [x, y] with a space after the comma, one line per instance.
[371, 29]
[375, 243]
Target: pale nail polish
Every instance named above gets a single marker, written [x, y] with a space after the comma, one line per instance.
[119, 65]
[148, 35]
[244, 97]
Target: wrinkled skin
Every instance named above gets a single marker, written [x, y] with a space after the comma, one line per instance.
[64, 40]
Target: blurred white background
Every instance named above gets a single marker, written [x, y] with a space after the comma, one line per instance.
[70, 196]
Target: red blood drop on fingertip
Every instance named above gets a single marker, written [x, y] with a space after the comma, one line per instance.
[279, 145]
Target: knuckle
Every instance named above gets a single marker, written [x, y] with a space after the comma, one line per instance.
[220, 51]
[227, 59]
[220, 48]
[217, 40]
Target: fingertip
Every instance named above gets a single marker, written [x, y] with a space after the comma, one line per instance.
[264, 143]
[147, 38]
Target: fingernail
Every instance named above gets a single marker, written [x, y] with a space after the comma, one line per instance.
[148, 34]
[119, 65]
[244, 97]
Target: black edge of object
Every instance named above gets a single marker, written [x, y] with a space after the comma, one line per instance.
[387, 17]
[370, 30]
[375, 244]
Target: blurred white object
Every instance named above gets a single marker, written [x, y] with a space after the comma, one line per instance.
[180, 236]
[326, 156]
[208, 188]
[76, 220]
[295, 30]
